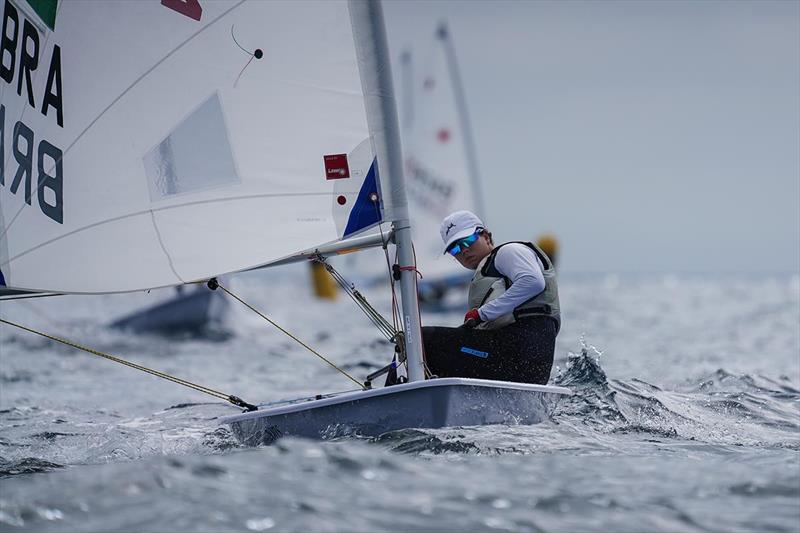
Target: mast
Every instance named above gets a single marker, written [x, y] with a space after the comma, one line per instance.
[376, 77]
[443, 34]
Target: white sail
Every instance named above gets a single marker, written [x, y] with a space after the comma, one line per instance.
[441, 172]
[151, 143]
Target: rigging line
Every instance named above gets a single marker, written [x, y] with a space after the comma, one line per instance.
[131, 86]
[257, 54]
[29, 296]
[387, 328]
[396, 323]
[246, 51]
[354, 294]
[375, 317]
[377, 320]
[301, 343]
[199, 388]
[380, 322]
[242, 71]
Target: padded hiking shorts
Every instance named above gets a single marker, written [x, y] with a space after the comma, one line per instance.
[521, 352]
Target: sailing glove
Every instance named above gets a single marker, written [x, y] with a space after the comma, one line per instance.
[472, 319]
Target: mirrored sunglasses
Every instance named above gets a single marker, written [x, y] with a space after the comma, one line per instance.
[462, 244]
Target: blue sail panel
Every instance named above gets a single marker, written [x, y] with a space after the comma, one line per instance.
[366, 212]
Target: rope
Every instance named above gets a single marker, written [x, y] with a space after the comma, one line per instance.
[375, 317]
[397, 318]
[412, 268]
[199, 388]
[28, 296]
[257, 54]
[213, 284]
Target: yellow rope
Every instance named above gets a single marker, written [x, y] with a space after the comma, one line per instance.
[301, 343]
[200, 388]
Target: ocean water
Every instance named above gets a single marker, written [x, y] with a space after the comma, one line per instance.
[685, 417]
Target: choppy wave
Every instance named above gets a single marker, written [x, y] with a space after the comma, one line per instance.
[692, 432]
[25, 465]
[720, 409]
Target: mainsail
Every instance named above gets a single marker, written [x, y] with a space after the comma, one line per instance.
[151, 143]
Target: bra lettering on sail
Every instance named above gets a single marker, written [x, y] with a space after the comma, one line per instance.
[19, 59]
[23, 62]
[161, 146]
[49, 183]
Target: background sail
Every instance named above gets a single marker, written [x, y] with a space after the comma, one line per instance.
[437, 149]
[198, 138]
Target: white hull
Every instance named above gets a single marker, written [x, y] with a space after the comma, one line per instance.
[436, 403]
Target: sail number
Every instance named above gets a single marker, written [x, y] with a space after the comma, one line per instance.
[49, 181]
[39, 165]
[19, 58]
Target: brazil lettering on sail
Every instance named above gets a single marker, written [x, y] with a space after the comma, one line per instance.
[35, 166]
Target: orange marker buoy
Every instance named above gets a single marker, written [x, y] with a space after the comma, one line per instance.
[549, 245]
[324, 284]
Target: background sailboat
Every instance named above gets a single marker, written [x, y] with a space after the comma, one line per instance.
[195, 311]
[440, 161]
[441, 168]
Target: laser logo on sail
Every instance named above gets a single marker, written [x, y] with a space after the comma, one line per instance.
[336, 167]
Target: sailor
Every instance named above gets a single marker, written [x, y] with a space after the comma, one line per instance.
[509, 332]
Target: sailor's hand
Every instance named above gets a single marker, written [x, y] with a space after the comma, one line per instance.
[472, 319]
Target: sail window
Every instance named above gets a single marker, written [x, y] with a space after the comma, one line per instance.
[195, 156]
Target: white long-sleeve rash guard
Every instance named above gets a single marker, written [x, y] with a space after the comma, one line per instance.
[522, 266]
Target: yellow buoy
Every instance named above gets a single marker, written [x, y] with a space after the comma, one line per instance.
[549, 245]
[324, 284]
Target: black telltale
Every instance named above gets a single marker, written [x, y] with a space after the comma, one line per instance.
[258, 53]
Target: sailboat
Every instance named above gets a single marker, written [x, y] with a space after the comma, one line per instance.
[441, 164]
[195, 311]
[162, 143]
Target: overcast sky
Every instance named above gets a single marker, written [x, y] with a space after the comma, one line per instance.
[649, 136]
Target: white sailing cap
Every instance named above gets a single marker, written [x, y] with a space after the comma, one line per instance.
[457, 226]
